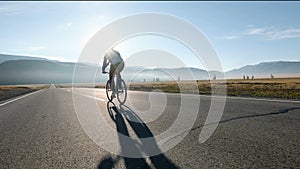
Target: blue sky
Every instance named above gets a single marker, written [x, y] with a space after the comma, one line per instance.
[241, 32]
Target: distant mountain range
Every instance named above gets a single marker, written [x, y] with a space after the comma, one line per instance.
[164, 74]
[42, 72]
[30, 70]
[279, 68]
[5, 57]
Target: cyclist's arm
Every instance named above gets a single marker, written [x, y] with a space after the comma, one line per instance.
[105, 63]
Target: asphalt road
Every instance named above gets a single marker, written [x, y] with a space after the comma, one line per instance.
[41, 130]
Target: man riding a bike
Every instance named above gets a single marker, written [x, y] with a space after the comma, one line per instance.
[116, 62]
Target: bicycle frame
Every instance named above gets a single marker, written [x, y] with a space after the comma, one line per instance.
[117, 84]
[121, 94]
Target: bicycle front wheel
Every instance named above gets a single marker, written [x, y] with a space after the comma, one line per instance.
[108, 91]
[122, 92]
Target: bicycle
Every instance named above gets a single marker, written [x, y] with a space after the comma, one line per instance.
[120, 88]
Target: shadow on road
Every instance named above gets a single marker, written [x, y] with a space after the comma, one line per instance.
[120, 116]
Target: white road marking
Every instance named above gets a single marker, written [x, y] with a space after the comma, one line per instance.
[90, 96]
[20, 97]
[68, 90]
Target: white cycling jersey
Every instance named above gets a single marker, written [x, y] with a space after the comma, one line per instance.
[113, 57]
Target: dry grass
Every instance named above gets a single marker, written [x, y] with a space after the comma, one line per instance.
[7, 92]
[33, 87]
[286, 88]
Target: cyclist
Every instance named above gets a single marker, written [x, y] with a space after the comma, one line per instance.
[116, 62]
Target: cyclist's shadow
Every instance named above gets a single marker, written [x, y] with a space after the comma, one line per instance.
[119, 115]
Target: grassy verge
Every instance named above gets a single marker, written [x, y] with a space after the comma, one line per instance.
[7, 92]
[284, 88]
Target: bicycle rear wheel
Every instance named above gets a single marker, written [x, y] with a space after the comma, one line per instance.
[108, 91]
[122, 92]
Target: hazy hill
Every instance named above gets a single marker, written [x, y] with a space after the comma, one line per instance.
[266, 69]
[27, 71]
[40, 71]
[34, 71]
[5, 57]
[164, 74]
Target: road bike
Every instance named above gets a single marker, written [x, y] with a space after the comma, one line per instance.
[121, 90]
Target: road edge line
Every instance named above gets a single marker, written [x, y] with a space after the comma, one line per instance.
[18, 98]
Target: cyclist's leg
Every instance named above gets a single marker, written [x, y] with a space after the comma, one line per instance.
[111, 77]
[118, 80]
[118, 71]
